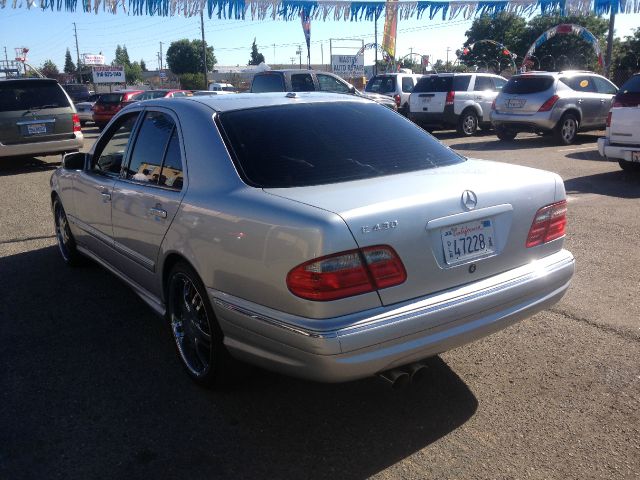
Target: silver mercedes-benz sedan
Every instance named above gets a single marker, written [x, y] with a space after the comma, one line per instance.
[319, 235]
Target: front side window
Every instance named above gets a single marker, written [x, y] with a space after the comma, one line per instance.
[302, 82]
[171, 175]
[108, 157]
[499, 83]
[604, 86]
[327, 83]
[319, 143]
[146, 158]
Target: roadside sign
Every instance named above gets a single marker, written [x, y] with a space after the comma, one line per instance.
[163, 75]
[108, 74]
[348, 66]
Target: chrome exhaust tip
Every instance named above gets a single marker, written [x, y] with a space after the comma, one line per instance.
[417, 372]
[396, 378]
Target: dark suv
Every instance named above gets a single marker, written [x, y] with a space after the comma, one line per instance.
[37, 118]
[310, 81]
[78, 92]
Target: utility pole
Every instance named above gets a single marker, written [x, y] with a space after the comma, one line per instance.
[299, 52]
[607, 58]
[447, 64]
[75, 32]
[274, 54]
[6, 57]
[293, 59]
[160, 64]
[322, 54]
[204, 51]
[375, 33]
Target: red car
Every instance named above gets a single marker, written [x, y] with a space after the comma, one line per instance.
[109, 104]
[151, 94]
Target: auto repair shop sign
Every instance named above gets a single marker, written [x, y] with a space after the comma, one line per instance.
[348, 66]
[108, 74]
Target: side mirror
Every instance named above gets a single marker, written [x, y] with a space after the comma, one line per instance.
[352, 89]
[74, 161]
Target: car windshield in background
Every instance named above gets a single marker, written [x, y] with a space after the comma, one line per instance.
[632, 85]
[267, 83]
[381, 84]
[313, 144]
[18, 95]
[528, 84]
[149, 95]
[110, 98]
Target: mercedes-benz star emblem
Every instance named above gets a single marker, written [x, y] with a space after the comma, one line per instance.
[469, 200]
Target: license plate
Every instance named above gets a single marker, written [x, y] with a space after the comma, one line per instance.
[469, 240]
[36, 129]
[516, 103]
[635, 156]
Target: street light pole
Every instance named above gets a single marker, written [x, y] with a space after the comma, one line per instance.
[299, 52]
[204, 51]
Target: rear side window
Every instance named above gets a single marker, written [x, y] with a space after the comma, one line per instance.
[527, 84]
[582, 83]
[31, 95]
[407, 84]
[110, 98]
[312, 144]
[381, 84]
[461, 83]
[302, 82]
[499, 83]
[483, 84]
[148, 95]
[434, 83]
[632, 85]
[267, 83]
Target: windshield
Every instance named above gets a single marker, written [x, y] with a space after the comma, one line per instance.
[16, 95]
[381, 84]
[148, 95]
[632, 85]
[318, 143]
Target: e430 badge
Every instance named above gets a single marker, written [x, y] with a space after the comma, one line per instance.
[379, 226]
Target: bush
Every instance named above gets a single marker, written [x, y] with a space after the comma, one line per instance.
[192, 81]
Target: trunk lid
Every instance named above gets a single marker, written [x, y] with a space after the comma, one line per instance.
[524, 95]
[413, 212]
[624, 125]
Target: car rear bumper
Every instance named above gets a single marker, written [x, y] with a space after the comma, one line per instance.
[444, 118]
[616, 152]
[102, 118]
[370, 342]
[41, 148]
[544, 121]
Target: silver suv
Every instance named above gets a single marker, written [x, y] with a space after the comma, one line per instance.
[455, 100]
[561, 103]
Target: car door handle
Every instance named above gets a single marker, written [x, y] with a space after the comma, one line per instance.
[158, 212]
[602, 100]
[106, 196]
[580, 100]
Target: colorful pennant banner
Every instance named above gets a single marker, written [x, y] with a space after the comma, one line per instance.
[330, 9]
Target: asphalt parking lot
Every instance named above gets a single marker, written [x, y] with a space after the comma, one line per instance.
[90, 386]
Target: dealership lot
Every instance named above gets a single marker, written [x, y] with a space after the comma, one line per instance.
[91, 388]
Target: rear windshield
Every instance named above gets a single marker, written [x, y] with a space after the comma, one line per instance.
[438, 83]
[528, 84]
[632, 85]
[16, 95]
[267, 83]
[381, 84]
[312, 144]
[110, 98]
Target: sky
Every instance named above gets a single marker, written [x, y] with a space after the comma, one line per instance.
[48, 34]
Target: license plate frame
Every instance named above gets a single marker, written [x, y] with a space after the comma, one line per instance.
[515, 103]
[36, 129]
[635, 156]
[461, 242]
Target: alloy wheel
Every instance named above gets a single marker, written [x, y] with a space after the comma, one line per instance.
[569, 128]
[63, 234]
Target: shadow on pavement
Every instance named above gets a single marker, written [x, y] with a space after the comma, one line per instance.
[591, 155]
[528, 142]
[20, 165]
[91, 388]
[619, 184]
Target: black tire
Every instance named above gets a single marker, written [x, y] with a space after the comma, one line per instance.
[629, 166]
[505, 134]
[66, 243]
[83, 123]
[468, 123]
[195, 330]
[566, 130]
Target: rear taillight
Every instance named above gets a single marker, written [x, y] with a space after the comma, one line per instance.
[493, 104]
[548, 105]
[76, 123]
[397, 98]
[450, 97]
[609, 119]
[346, 274]
[548, 224]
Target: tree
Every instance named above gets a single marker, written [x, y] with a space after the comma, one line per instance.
[122, 57]
[185, 56]
[256, 57]
[49, 69]
[69, 66]
[143, 66]
[192, 81]
[133, 73]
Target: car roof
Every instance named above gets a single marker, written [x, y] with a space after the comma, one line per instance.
[29, 79]
[243, 101]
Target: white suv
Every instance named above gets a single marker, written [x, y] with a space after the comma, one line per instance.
[455, 100]
[622, 139]
[396, 85]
